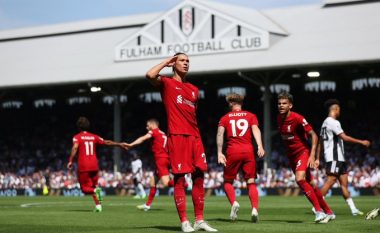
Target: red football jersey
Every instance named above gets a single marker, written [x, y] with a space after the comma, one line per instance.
[87, 160]
[159, 140]
[180, 100]
[238, 126]
[293, 132]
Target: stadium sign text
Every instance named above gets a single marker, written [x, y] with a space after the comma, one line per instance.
[192, 48]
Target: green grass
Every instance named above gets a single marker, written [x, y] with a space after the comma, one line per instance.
[74, 214]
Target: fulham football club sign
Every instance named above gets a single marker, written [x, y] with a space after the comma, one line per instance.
[192, 28]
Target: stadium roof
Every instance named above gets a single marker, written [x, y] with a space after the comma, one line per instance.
[294, 37]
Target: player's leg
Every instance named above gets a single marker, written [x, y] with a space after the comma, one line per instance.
[343, 180]
[308, 191]
[322, 202]
[198, 192]
[330, 181]
[140, 191]
[86, 186]
[97, 195]
[152, 194]
[331, 177]
[229, 174]
[249, 172]
[180, 158]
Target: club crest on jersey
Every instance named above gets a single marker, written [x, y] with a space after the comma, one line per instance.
[179, 99]
[186, 20]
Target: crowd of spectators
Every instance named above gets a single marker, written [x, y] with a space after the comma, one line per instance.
[31, 157]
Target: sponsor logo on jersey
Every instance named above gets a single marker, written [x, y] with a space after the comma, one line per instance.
[87, 137]
[179, 99]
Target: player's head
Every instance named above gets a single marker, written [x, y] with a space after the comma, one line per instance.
[152, 124]
[235, 100]
[284, 102]
[333, 107]
[181, 65]
[83, 124]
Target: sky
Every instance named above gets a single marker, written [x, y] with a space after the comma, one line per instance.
[29, 13]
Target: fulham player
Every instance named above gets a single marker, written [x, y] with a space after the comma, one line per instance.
[84, 144]
[239, 126]
[185, 146]
[294, 131]
[332, 137]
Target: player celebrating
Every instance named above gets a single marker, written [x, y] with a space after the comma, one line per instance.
[161, 158]
[240, 126]
[184, 143]
[332, 136]
[85, 142]
[294, 131]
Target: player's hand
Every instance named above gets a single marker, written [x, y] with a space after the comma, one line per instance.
[171, 61]
[260, 152]
[222, 159]
[69, 165]
[316, 164]
[366, 143]
[311, 162]
[125, 145]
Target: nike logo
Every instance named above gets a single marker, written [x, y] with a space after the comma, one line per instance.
[178, 88]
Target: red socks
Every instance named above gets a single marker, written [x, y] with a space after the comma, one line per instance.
[230, 192]
[95, 199]
[180, 196]
[253, 195]
[198, 194]
[310, 194]
[152, 194]
[322, 201]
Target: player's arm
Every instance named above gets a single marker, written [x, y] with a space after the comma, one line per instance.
[138, 141]
[318, 153]
[74, 151]
[314, 144]
[219, 145]
[257, 135]
[350, 139]
[112, 143]
[153, 75]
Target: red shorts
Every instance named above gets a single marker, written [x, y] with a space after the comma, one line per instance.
[162, 166]
[244, 161]
[299, 163]
[88, 179]
[186, 154]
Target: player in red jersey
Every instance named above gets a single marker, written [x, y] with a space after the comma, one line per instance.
[185, 146]
[295, 130]
[239, 126]
[161, 157]
[84, 144]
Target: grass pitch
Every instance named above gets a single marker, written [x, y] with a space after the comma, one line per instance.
[74, 214]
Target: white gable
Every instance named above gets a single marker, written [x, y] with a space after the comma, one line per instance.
[193, 28]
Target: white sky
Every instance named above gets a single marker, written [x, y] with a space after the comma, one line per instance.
[27, 13]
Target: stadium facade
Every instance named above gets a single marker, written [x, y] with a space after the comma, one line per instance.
[228, 41]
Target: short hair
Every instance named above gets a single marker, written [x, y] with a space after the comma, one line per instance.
[177, 54]
[235, 98]
[154, 120]
[331, 102]
[83, 124]
[285, 95]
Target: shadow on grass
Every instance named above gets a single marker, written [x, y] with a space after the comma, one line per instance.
[164, 228]
[227, 220]
[80, 210]
[282, 220]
